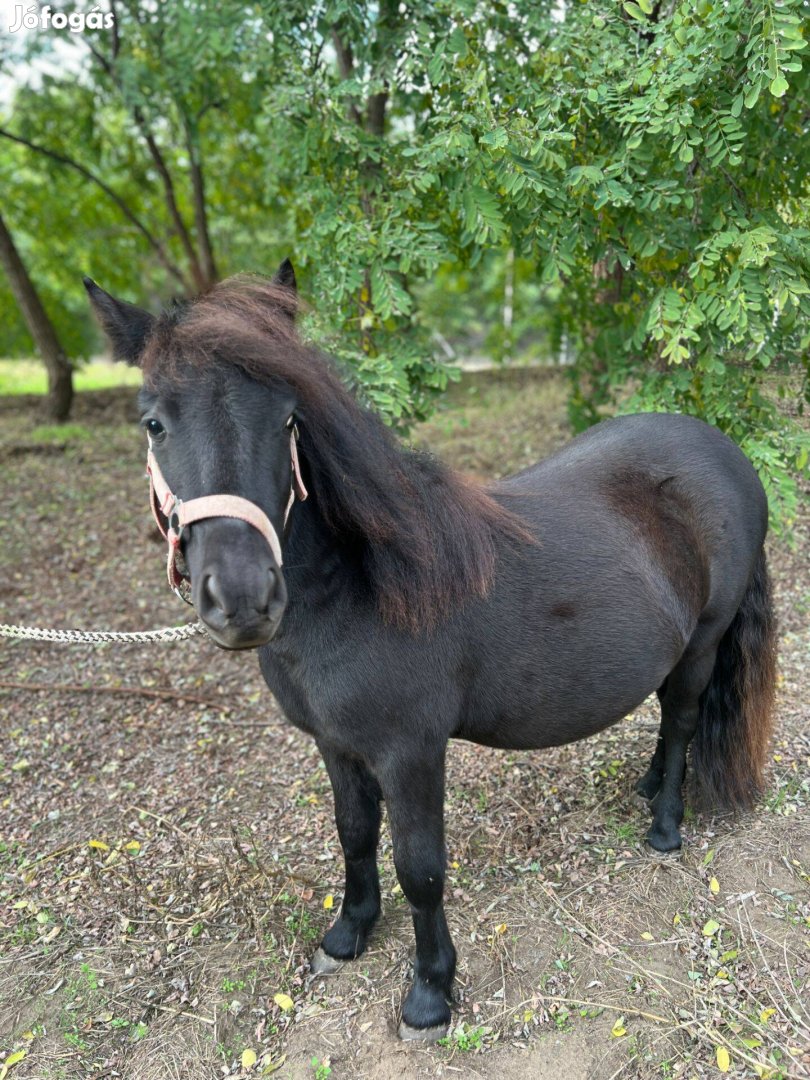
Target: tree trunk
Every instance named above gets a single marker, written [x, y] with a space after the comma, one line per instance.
[60, 373]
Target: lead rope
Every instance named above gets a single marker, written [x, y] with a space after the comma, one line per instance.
[99, 637]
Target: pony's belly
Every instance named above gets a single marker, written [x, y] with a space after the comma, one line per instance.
[540, 731]
[559, 702]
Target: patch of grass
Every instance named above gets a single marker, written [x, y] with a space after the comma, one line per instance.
[467, 1038]
[72, 1038]
[48, 433]
[789, 792]
[625, 832]
[299, 923]
[28, 376]
[495, 422]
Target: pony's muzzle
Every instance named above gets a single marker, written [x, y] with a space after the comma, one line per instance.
[237, 587]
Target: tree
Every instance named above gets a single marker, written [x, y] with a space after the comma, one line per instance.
[60, 372]
[648, 158]
[165, 101]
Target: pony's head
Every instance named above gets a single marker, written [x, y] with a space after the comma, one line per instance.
[216, 430]
[224, 375]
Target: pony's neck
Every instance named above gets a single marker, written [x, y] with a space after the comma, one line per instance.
[413, 535]
[317, 566]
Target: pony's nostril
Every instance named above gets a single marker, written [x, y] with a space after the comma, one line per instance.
[212, 595]
[271, 591]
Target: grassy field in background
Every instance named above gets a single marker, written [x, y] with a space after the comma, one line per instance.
[28, 376]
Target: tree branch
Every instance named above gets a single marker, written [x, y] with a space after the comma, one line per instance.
[171, 201]
[159, 161]
[375, 113]
[198, 189]
[128, 213]
[382, 62]
[345, 58]
[80, 688]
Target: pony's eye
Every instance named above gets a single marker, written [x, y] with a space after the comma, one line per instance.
[155, 429]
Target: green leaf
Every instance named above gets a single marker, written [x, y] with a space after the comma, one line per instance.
[634, 10]
[752, 95]
[457, 42]
[779, 86]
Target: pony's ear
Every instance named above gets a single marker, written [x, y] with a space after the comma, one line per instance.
[126, 326]
[285, 275]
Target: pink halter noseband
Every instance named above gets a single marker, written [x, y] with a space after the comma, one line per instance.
[179, 514]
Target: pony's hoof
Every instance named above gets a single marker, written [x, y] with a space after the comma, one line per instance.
[430, 1034]
[664, 839]
[324, 964]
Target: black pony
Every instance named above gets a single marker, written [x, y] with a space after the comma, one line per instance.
[415, 606]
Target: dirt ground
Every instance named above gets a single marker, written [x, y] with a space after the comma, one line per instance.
[168, 859]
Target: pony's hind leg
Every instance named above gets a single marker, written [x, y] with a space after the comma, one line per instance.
[649, 784]
[357, 815]
[679, 717]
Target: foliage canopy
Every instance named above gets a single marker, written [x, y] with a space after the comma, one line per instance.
[636, 173]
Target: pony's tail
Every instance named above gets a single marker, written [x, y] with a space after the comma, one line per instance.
[734, 729]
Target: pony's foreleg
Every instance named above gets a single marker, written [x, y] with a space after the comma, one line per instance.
[414, 796]
[679, 718]
[357, 815]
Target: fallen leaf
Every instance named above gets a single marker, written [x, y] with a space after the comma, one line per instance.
[248, 1059]
[500, 928]
[765, 1015]
[723, 1060]
[710, 928]
[274, 1065]
[12, 1059]
[618, 1028]
[98, 844]
[647, 936]
[284, 1002]
[328, 902]
[714, 885]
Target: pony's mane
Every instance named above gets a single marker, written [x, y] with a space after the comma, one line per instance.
[427, 536]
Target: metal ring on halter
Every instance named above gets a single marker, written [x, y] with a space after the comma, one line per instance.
[174, 530]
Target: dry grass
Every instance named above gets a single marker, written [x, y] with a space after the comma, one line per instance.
[158, 951]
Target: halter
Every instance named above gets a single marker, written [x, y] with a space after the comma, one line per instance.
[179, 514]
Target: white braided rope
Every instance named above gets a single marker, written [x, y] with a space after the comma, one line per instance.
[97, 637]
